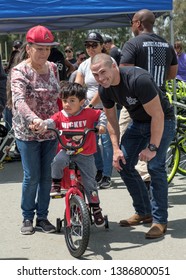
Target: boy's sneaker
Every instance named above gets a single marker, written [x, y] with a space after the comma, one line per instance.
[98, 217]
[27, 227]
[99, 176]
[45, 226]
[105, 183]
[55, 190]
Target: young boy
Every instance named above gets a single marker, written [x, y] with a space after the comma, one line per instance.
[73, 115]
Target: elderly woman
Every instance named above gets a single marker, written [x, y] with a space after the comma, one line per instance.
[35, 89]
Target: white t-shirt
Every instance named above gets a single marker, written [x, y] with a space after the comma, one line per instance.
[90, 82]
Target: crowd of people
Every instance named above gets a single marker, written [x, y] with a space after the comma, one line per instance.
[122, 92]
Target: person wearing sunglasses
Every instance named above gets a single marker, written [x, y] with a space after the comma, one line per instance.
[70, 54]
[94, 45]
[152, 53]
[80, 57]
[181, 57]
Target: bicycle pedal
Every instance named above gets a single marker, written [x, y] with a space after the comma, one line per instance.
[8, 158]
[60, 195]
[1, 166]
[57, 196]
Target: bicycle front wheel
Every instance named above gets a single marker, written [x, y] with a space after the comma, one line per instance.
[77, 235]
[172, 161]
[182, 163]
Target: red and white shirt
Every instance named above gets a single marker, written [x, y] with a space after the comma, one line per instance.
[85, 118]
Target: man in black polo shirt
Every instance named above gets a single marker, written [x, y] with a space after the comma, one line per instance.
[147, 137]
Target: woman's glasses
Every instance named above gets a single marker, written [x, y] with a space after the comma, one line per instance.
[93, 45]
[68, 51]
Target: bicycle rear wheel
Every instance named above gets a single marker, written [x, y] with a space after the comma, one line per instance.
[77, 235]
[182, 163]
[172, 161]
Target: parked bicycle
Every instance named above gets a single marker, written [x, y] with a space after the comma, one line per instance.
[176, 154]
[7, 139]
[78, 215]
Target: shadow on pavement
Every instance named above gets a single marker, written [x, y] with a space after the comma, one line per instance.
[11, 173]
[104, 242]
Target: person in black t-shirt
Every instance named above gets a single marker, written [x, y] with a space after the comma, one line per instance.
[114, 51]
[65, 68]
[153, 53]
[148, 50]
[147, 137]
[57, 57]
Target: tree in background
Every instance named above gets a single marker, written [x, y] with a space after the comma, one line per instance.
[179, 23]
[179, 20]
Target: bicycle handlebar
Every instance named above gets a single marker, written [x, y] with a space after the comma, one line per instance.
[71, 133]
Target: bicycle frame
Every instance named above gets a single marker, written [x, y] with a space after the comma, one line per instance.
[175, 145]
[6, 144]
[72, 191]
[71, 150]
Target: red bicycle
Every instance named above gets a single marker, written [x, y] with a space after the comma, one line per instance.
[78, 215]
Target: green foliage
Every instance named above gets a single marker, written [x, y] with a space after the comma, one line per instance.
[179, 20]
[76, 38]
[6, 42]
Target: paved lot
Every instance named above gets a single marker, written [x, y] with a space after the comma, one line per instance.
[114, 244]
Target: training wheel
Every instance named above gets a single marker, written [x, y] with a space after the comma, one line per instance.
[58, 224]
[106, 221]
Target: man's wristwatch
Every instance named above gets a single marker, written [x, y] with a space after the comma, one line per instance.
[152, 148]
[90, 105]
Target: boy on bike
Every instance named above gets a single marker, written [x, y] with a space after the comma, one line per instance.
[74, 115]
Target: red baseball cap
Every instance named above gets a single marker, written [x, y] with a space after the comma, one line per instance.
[40, 35]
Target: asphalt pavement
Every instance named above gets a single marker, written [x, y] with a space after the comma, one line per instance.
[116, 243]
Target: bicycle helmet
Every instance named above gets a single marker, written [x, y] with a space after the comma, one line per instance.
[3, 131]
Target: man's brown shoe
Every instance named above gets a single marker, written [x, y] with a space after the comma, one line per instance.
[156, 231]
[136, 220]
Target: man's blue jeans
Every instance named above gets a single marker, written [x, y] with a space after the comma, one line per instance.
[135, 139]
[103, 159]
[36, 161]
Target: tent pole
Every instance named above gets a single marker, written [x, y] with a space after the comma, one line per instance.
[172, 43]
